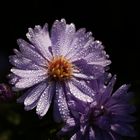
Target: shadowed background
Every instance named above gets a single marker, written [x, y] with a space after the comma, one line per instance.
[112, 23]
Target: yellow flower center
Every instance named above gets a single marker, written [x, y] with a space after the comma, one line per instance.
[60, 69]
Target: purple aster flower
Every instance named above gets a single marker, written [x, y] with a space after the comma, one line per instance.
[5, 93]
[108, 117]
[54, 65]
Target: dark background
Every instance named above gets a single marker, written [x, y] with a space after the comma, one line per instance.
[113, 23]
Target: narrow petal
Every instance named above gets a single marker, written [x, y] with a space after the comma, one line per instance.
[56, 113]
[99, 84]
[68, 38]
[83, 87]
[115, 136]
[31, 53]
[34, 94]
[13, 78]
[28, 73]
[78, 93]
[60, 97]
[57, 36]
[103, 80]
[45, 100]
[31, 106]
[92, 52]
[97, 55]
[123, 94]
[80, 41]
[62, 35]
[123, 129]
[69, 128]
[77, 136]
[73, 137]
[40, 39]
[82, 76]
[116, 118]
[122, 108]
[91, 134]
[76, 106]
[101, 63]
[81, 52]
[108, 91]
[93, 71]
[28, 82]
[23, 63]
[22, 98]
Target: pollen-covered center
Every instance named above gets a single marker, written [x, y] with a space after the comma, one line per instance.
[60, 69]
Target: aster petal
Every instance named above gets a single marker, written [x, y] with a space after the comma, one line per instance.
[97, 55]
[93, 54]
[22, 62]
[76, 42]
[113, 102]
[115, 136]
[13, 78]
[124, 88]
[123, 129]
[91, 134]
[22, 98]
[73, 137]
[122, 108]
[94, 85]
[62, 35]
[116, 118]
[39, 37]
[70, 123]
[102, 80]
[62, 102]
[18, 53]
[28, 82]
[122, 94]
[93, 71]
[108, 91]
[28, 73]
[78, 93]
[45, 100]
[77, 136]
[69, 128]
[81, 52]
[57, 36]
[80, 41]
[111, 84]
[31, 106]
[56, 113]
[68, 38]
[34, 93]
[76, 106]
[84, 88]
[82, 76]
[98, 85]
[31, 53]
[97, 59]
